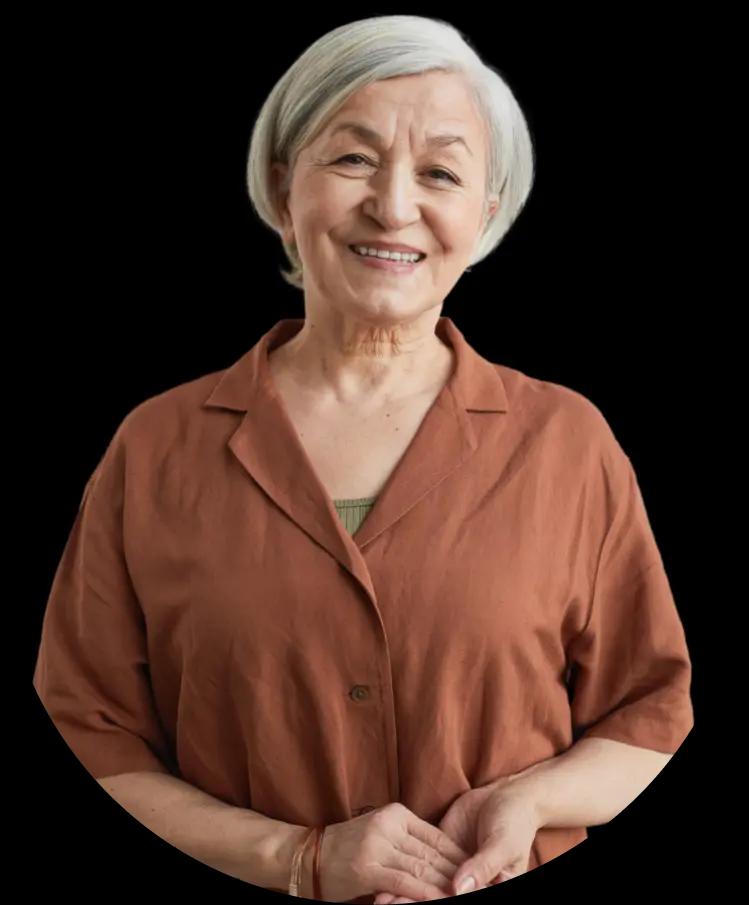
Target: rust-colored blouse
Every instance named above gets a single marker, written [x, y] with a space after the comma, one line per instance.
[212, 617]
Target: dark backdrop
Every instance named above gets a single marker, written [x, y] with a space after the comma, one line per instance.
[155, 270]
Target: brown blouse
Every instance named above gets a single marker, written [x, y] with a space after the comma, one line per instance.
[212, 617]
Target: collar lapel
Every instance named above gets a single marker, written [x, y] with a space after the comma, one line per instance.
[267, 446]
[445, 439]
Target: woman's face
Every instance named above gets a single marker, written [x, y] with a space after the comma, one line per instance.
[395, 189]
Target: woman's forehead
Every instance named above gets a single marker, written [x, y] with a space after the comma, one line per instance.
[452, 125]
[434, 99]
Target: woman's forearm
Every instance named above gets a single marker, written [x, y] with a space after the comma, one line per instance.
[237, 841]
[590, 783]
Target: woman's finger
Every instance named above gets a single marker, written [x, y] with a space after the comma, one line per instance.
[411, 879]
[435, 838]
[422, 851]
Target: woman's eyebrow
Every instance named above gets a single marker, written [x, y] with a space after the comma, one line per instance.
[440, 140]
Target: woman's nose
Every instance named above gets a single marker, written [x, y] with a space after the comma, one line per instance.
[394, 197]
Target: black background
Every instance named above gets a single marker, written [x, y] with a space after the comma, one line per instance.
[155, 270]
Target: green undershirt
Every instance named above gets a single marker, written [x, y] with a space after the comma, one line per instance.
[354, 511]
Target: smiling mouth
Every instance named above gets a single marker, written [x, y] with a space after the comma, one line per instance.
[391, 261]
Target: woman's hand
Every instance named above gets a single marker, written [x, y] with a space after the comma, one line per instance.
[498, 824]
[390, 849]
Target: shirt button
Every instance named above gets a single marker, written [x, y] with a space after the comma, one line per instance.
[360, 692]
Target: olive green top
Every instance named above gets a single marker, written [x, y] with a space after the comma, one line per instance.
[353, 512]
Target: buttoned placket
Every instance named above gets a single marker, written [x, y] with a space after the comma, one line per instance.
[266, 444]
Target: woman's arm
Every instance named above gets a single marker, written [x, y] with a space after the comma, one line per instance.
[590, 783]
[237, 841]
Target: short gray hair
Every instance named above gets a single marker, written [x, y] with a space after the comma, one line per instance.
[354, 55]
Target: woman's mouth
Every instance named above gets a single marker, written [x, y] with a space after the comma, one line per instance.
[385, 264]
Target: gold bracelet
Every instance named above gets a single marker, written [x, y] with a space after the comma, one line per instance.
[296, 863]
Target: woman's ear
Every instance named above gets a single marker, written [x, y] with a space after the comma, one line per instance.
[492, 207]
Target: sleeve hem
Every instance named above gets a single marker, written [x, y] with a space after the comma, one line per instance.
[127, 757]
[666, 738]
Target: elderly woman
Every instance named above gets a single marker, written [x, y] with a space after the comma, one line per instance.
[365, 616]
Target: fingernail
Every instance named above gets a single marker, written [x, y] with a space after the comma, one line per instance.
[466, 885]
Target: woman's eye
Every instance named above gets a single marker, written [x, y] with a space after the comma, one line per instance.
[348, 157]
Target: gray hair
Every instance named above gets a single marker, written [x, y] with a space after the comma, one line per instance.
[368, 50]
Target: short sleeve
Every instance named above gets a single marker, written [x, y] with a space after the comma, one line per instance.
[631, 669]
[92, 672]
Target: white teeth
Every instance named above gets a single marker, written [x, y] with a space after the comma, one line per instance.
[387, 255]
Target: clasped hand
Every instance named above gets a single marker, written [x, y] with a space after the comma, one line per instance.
[496, 822]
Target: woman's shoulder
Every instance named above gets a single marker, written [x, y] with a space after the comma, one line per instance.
[561, 413]
[168, 413]
[540, 397]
